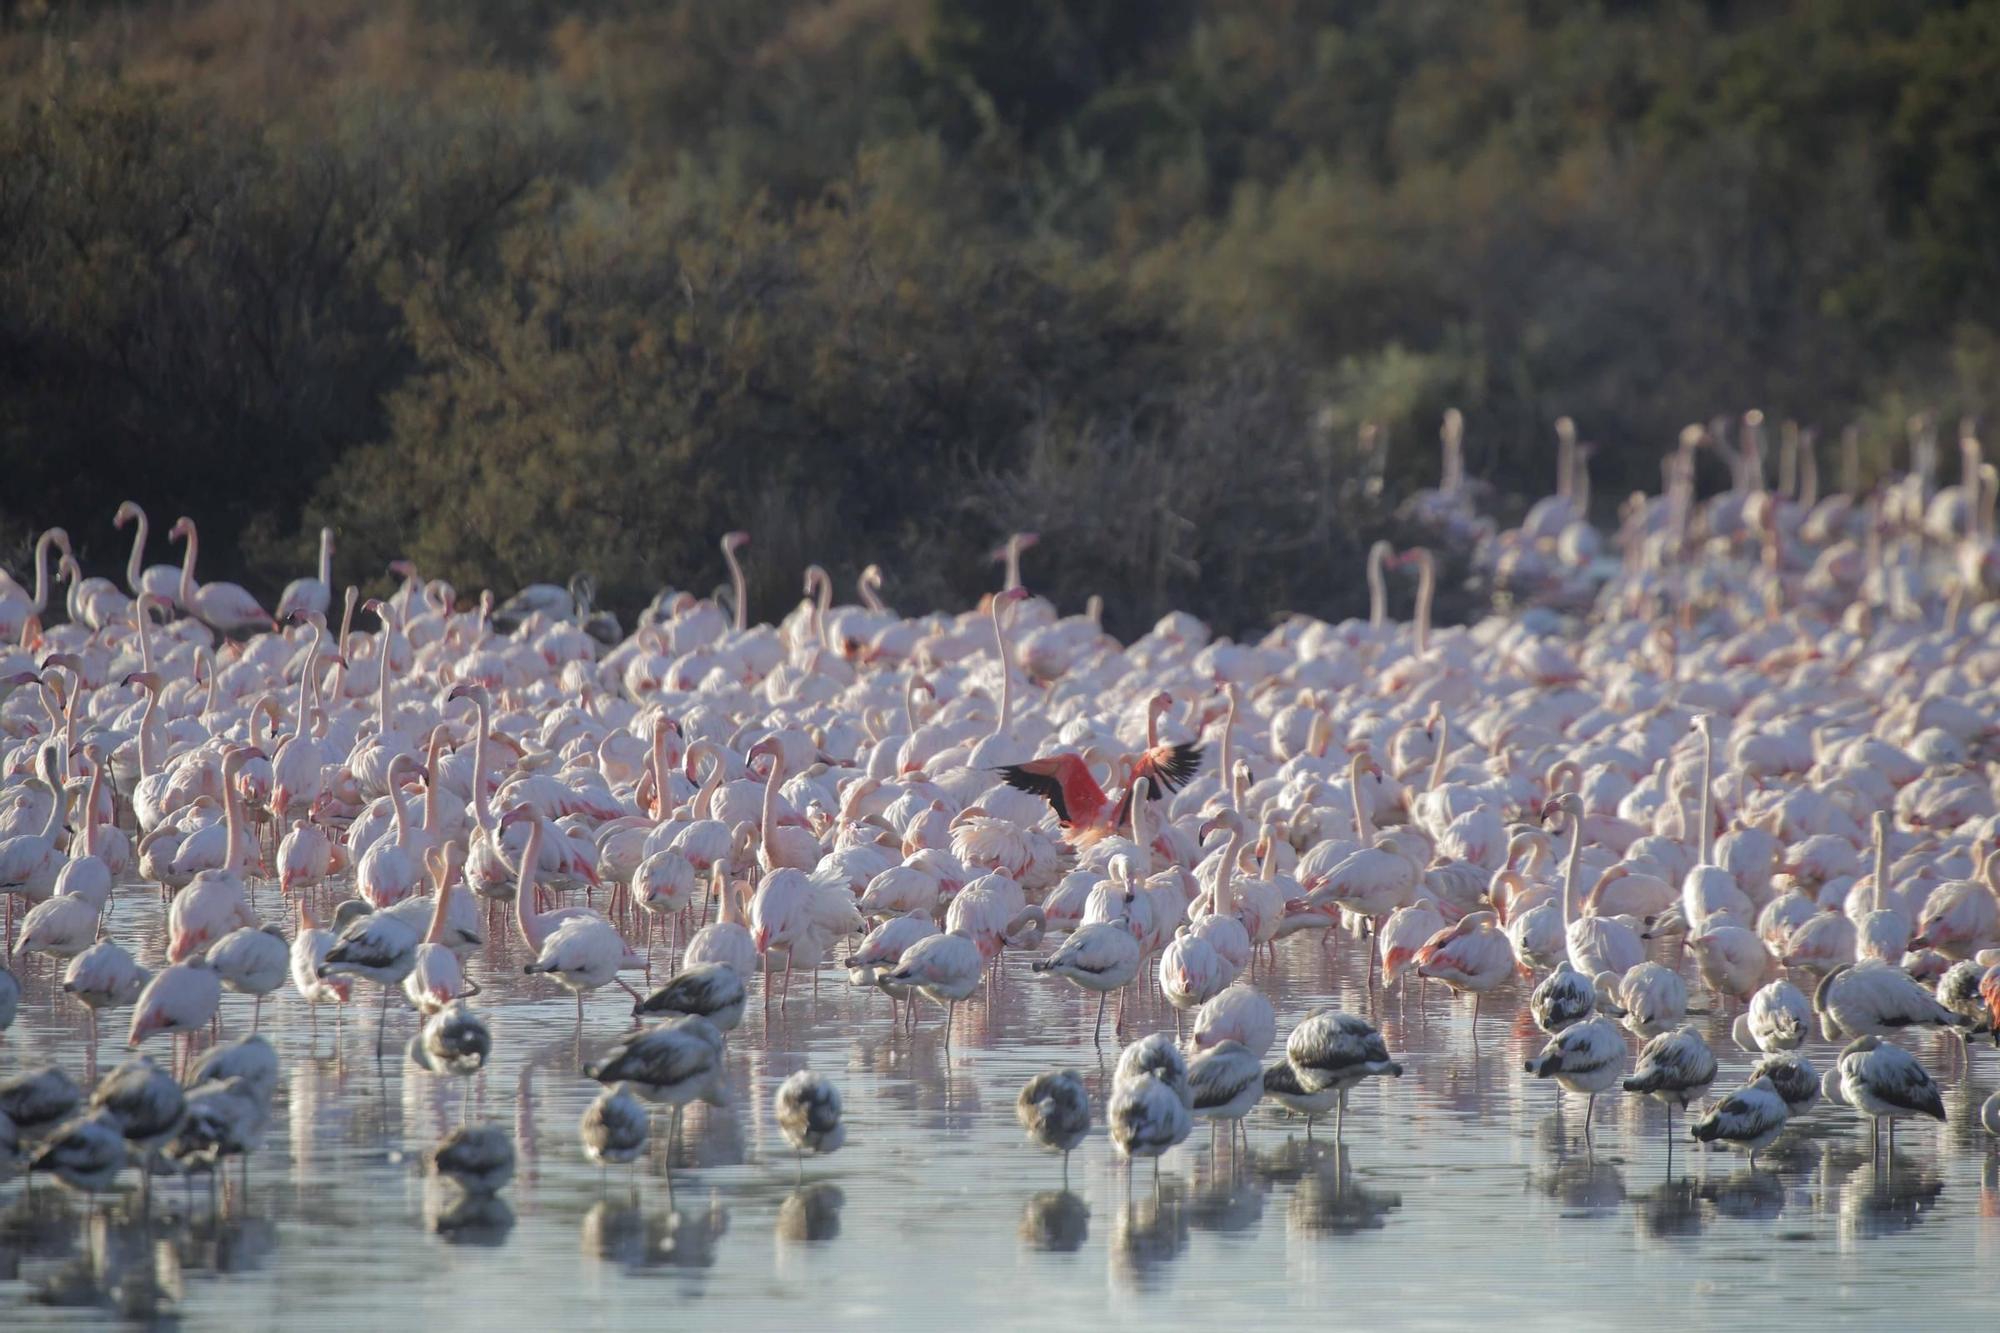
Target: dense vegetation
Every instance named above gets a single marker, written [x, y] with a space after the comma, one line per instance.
[521, 286]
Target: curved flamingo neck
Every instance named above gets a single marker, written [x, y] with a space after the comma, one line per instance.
[1140, 792]
[187, 584]
[1364, 827]
[737, 585]
[401, 763]
[442, 873]
[729, 915]
[526, 919]
[1443, 752]
[42, 544]
[768, 824]
[1225, 881]
[1005, 720]
[135, 563]
[59, 807]
[311, 669]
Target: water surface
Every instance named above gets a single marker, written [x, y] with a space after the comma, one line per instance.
[1462, 1190]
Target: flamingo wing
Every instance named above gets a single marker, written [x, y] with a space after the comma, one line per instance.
[1038, 778]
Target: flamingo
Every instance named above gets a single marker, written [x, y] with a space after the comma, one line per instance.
[1748, 1118]
[1676, 1069]
[807, 1109]
[946, 967]
[1885, 1082]
[1102, 957]
[226, 608]
[1472, 957]
[1054, 1108]
[435, 978]
[1334, 1051]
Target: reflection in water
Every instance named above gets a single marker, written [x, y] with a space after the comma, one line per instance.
[1746, 1195]
[688, 1239]
[811, 1213]
[1671, 1210]
[1148, 1235]
[1585, 1185]
[468, 1219]
[1883, 1198]
[1055, 1221]
[1329, 1201]
[949, 1177]
[1231, 1202]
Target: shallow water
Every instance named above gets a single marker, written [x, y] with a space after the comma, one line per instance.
[1459, 1190]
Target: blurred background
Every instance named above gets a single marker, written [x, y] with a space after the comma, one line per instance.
[520, 287]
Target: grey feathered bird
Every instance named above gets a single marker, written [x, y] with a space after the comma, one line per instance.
[1054, 1108]
[808, 1109]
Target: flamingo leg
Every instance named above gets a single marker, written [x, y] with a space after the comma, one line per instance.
[1097, 1036]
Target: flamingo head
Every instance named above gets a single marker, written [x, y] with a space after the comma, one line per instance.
[733, 541]
[183, 526]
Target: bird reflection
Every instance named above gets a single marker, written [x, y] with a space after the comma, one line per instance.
[1584, 1184]
[1055, 1222]
[615, 1233]
[1671, 1210]
[1148, 1234]
[1746, 1195]
[811, 1213]
[1886, 1198]
[1330, 1202]
[688, 1238]
[1228, 1202]
[468, 1219]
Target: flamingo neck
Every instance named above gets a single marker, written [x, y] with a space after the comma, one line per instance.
[1139, 837]
[145, 628]
[1364, 827]
[1225, 881]
[729, 914]
[207, 659]
[42, 544]
[435, 935]
[1426, 590]
[482, 815]
[1001, 725]
[135, 563]
[526, 918]
[59, 807]
[1378, 587]
[147, 766]
[1707, 797]
[1571, 870]
[326, 557]
[739, 587]
[1443, 750]
[768, 824]
[306, 675]
[1225, 766]
[232, 817]
[187, 587]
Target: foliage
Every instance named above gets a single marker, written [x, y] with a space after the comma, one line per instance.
[517, 288]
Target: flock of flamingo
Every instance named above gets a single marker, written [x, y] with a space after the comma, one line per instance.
[1735, 759]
